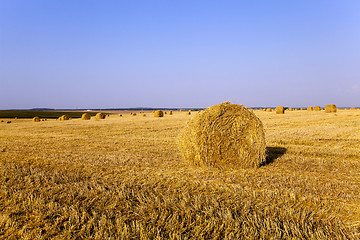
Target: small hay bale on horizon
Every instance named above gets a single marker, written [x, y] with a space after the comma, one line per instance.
[158, 113]
[170, 112]
[317, 108]
[86, 116]
[310, 108]
[280, 110]
[144, 115]
[222, 136]
[330, 108]
[269, 110]
[36, 119]
[64, 118]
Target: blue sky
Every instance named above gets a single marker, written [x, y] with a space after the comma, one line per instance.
[109, 54]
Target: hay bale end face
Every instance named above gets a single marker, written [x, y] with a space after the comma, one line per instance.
[280, 110]
[330, 108]
[158, 113]
[225, 135]
[36, 119]
[317, 108]
[86, 116]
[100, 115]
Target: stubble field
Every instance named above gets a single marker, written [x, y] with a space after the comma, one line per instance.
[124, 178]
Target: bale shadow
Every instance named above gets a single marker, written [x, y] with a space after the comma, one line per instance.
[273, 153]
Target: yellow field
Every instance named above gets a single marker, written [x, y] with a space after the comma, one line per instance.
[123, 178]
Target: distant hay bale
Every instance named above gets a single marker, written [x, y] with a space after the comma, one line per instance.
[144, 115]
[170, 113]
[269, 110]
[120, 115]
[280, 110]
[330, 108]
[317, 108]
[8, 122]
[158, 113]
[100, 115]
[224, 135]
[310, 108]
[352, 108]
[292, 109]
[189, 112]
[134, 114]
[86, 116]
[36, 119]
[64, 118]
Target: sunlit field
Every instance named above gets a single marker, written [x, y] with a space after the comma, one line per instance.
[124, 178]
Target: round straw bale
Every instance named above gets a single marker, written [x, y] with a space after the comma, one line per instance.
[100, 115]
[134, 114]
[8, 122]
[352, 108]
[317, 108]
[36, 119]
[189, 112]
[86, 116]
[280, 110]
[170, 112]
[64, 118]
[224, 135]
[158, 113]
[120, 115]
[330, 108]
[269, 110]
[144, 115]
[310, 108]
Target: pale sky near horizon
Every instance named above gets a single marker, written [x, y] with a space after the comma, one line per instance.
[115, 54]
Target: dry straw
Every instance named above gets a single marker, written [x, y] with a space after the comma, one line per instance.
[36, 119]
[224, 135]
[330, 108]
[86, 116]
[310, 108]
[317, 108]
[100, 115]
[158, 113]
[280, 110]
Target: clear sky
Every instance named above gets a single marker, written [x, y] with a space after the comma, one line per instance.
[178, 53]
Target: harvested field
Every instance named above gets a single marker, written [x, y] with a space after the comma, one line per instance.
[124, 178]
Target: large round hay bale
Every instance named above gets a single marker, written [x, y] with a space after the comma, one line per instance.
[36, 119]
[158, 113]
[64, 118]
[224, 135]
[330, 108]
[86, 116]
[310, 108]
[100, 115]
[280, 110]
[317, 108]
